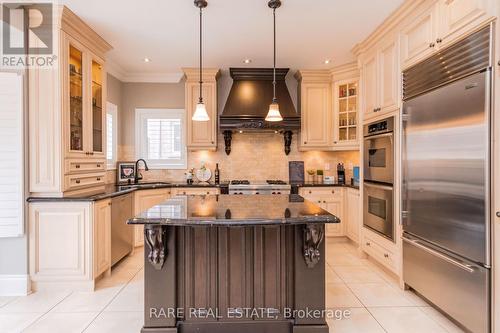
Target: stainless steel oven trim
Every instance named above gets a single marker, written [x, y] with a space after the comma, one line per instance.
[377, 136]
[381, 187]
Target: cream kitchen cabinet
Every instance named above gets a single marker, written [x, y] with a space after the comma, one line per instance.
[201, 135]
[195, 191]
[381, 78]
[441, 23]
[69, 244]
[315, 105]
[102, 237]
[418, 37]
[67, 139]
[456, 17]
[353, 214]
[331, 200]
[143, 200]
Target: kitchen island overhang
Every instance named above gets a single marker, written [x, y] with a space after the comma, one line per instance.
[250, 263]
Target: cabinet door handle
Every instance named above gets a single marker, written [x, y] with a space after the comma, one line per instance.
[77, 166]
[77, 181]
[439, 40]
[98, 165]
[498, 214]
[431, 45]
[368, 244]
[386, 255]
[98, 178]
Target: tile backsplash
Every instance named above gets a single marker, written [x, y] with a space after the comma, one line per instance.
[254, 156]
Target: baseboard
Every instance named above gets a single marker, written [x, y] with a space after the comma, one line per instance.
[14, 285]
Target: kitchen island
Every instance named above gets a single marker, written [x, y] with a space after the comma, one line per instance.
[248, 263]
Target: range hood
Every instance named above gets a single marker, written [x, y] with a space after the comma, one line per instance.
[248, 103]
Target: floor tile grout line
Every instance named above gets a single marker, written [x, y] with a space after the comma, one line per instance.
[434, 320]
[47, 312]
[378, 322]
[114, 297]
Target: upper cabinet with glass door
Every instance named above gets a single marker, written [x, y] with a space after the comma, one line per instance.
[347, 113]
[346, 130]
[98, 113]
[76, 113]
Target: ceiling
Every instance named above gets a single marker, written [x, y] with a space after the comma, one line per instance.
[166, 31]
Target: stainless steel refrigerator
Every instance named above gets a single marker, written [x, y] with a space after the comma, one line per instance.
[445, 187]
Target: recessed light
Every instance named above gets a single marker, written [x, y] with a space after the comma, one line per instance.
[327, 61]
[247, 61]
[147, 60]
[241, 131]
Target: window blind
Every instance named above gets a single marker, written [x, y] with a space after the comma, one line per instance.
[11, 150]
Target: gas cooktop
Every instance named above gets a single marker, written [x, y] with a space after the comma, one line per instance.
[243, 186]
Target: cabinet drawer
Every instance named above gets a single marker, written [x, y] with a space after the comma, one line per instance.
[195, 191]
[380, 253]
[330, 192]
[74, 182]
[75, 166]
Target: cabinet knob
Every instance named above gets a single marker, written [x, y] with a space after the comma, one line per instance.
[310, 192]
[498, 214]
[305, 142]
[92, 153]
[439, 40]
[333, 191]
[213, 142]
[335, 142]
[498, 62]
[77, 181]
[109, 203]
[77, 166]
[98, 165]
[386, 255]
[98, 178]
[368, 244]
[319, 201]
[324, 201]
[431, 45]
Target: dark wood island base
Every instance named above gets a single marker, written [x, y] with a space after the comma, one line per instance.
[246, 277]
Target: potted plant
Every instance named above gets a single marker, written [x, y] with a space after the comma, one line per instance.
[311, 175]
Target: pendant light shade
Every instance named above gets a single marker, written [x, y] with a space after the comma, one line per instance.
[201, 114]
[274, 114]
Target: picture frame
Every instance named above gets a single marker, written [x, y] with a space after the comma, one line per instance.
[125, 172]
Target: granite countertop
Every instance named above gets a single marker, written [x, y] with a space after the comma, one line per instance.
[325, 185]
[112, 191]
[238, 210]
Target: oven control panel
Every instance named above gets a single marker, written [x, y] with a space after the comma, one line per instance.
[379, 127]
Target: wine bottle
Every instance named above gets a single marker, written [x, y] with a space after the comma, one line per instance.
[217, 174]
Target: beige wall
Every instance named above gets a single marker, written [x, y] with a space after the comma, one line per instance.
[256, 156]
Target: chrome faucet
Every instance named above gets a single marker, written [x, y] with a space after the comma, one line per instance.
[138, 176]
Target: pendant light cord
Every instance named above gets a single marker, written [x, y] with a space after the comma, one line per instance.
[274, 63]
[201, 54]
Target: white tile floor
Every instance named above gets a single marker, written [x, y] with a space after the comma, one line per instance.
[372, 296]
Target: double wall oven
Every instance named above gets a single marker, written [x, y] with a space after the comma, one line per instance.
[379, 177]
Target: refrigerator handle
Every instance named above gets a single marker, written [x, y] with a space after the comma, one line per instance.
[457, 263]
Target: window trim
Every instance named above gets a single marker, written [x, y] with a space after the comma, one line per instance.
[113, 110]
[163, 113]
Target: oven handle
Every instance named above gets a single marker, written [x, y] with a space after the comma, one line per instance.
[378, 136]
[381, 187]
[457, 263]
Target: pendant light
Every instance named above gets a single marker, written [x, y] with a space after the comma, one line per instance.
[200, 114]
[274, 109]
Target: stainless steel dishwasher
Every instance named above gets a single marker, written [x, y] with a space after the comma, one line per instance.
[121, 233]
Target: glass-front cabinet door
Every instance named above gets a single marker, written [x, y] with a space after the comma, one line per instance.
[76, 100]
[346, 114]
[97, 107]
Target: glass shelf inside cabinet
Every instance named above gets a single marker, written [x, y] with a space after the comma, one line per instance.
[97, 112]
[75, 99]
[348, 111]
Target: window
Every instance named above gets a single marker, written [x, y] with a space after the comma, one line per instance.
[160, 138]
[12, 152]
[111, 134]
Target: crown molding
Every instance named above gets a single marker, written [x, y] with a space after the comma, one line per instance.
[313, 75]
[193, 74]
[389, 23]
[351, 67]
[118, 72]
